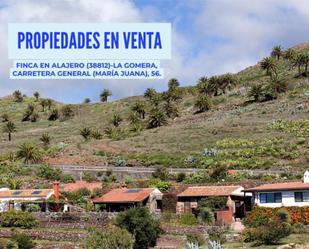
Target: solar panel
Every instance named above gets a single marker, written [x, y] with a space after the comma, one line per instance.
[17, 192]
[133, 190]
[36, 192]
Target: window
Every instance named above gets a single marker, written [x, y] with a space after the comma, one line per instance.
[301, 196]
[298, 196]
[270, 198]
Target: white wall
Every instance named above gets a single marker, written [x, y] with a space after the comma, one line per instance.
[287, 200]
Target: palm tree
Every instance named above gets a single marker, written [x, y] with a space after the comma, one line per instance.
[270, 66]
[150, 93]
[227, 81]
[173, 83]
[171, 109]
[202, 103]
[18, 97]
[302, 60]
[256, 91]
[203, 85]
[116, 120]
[214, 84]
[9, 128]
[104, 95]
[85, 133]
[29, 153]
[36, 95]
[156, 118]
[290, 54]
[139, 107]
[49, 103]
[277, 52]
[29, 111]
[45, 139]
[43, 103]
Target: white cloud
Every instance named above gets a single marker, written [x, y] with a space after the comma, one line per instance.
[226, 36]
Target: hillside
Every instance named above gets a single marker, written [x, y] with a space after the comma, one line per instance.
[240, 132]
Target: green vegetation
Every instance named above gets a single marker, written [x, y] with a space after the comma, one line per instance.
[18, 219]
[113, 237]
[139, 222]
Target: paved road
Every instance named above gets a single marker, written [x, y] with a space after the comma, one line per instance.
[146, 170]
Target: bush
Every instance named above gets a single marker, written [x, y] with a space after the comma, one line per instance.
[22, 241]
[88, 176]
[110, 238]
[188, 219]
[33, 208]
[213, 202]
[161, 173]
[196, 239]
[138, 221]
[67, 178]
[268, 234]
[163, 186]
[217, 234]
[18, 219]
[119, 162]
[206, 215]
[49, 173]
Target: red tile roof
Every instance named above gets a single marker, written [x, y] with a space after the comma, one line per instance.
[208, 191]
[280, 186]
[124, 195]
[71, 187]
[26, 193]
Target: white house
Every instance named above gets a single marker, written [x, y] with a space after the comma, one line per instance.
[13, 199]
[282, 194]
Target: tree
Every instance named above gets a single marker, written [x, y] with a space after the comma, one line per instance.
[156, 118]
[290, 54]
[227, 81]
[203, 85]
[36, 95]
[29, 111]
[18, 97]
[85, 133]
[213, 85]
[43, 103]
[67, 112]
[173, 83]
[45, 139]
[116, 120]
[256, 92]
[139, 107]
[112, 237]
[49, 103]
[47, 172]
[29, 153]
[87, 100]
[270, 66]
[171, 109]
[202, 103]
[9, 128]
[277, 52]
[302, 60]
[150, 93]
[138, 221]
[104, 95]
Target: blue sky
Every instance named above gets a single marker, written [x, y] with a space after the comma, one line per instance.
[209, 37]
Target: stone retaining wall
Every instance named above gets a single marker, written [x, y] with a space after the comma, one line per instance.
[73, 220]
